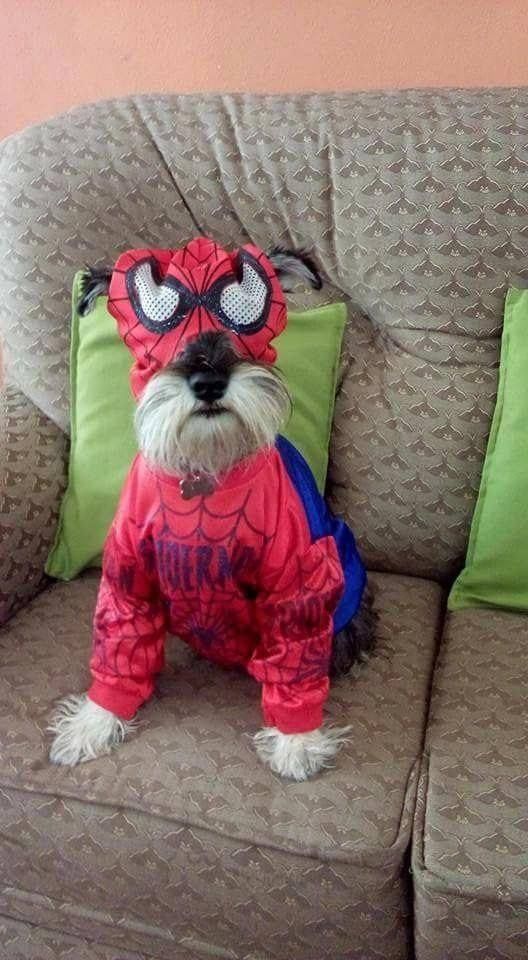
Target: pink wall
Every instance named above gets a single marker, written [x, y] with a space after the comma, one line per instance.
[57, 53]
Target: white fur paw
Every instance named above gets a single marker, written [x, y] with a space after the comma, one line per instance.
[299, 755]
[83, 730]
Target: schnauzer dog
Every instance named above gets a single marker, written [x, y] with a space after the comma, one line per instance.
[221, 536]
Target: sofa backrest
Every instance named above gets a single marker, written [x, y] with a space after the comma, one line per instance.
[415, 204]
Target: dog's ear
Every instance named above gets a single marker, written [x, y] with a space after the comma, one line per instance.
[95, 282]
[292, 266]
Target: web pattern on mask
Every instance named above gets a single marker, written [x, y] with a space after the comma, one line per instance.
[151, 348]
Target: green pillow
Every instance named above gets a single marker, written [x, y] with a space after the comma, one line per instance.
[496, 570]
[102, 437]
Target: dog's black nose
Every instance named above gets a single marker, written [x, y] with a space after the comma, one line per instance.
[208, 385]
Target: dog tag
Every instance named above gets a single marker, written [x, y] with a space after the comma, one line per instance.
[196, 485]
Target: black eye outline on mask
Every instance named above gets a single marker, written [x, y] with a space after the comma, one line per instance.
[186, 299]
[213, 298]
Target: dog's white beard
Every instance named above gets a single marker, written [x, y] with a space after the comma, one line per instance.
[299, 756]
[84, 730]
[176, 437]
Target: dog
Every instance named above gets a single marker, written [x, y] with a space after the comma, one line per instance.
[221, 536]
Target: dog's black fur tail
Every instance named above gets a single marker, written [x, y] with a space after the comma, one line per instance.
[357, 640]
[94, 283]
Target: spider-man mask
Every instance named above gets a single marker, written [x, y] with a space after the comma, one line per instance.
[164, 299]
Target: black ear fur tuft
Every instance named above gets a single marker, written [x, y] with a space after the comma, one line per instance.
[292, 265]
[94, 283]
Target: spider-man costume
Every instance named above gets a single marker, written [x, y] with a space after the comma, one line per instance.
[256, 573]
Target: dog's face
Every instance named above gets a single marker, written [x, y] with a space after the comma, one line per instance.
[210, 408]
[200, 323]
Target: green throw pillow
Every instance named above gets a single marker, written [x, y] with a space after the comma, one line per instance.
[496, 570]
[102, 437]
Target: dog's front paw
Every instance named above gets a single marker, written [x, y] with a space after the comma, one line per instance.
[299, 755]
[84, 730]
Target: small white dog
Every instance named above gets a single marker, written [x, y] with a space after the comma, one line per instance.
[221, 537]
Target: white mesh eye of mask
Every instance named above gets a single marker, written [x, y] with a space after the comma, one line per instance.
[243, 303]
[158, 301]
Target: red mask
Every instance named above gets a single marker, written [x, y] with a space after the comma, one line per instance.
[163, 299]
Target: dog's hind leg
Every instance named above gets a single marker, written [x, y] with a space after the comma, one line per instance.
[357, 640]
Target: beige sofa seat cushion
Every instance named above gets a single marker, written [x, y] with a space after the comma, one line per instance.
[181, 835]
[471, 836]
[22, 941]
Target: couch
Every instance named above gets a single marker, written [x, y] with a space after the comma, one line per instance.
[181, 845]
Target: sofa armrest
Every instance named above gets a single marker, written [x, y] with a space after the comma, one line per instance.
[32, 478]
[470, 861]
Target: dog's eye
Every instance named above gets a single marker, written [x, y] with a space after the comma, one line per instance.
[159, 306]
[244, 306]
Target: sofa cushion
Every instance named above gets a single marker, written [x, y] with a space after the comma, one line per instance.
[470, 856]
[415, 204]
[181, 839]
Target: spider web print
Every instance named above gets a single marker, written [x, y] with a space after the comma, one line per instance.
[198, 319]
[298, 620]
[196, 576]
[128, 638]
[214, 579]
[208, 565]
[199, 276]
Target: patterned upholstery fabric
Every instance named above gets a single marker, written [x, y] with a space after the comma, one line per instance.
[32, 472]
[182, 835]
[407, 448]
[22, 941]
[470, 848]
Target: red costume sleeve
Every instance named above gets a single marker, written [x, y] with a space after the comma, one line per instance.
[301, 586]
[129, 626]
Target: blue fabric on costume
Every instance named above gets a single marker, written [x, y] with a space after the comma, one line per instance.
[322, 523]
